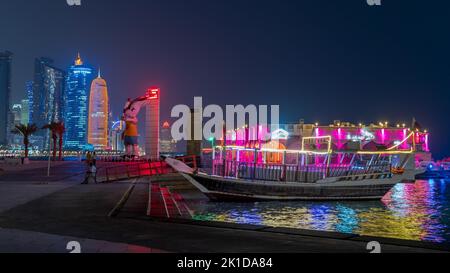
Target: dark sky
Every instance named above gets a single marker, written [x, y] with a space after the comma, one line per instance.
[319, 60]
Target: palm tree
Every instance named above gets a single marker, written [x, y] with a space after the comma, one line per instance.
[53, 131]
[60, 130]
[26, 131]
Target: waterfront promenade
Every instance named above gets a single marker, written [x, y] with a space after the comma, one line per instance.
[40, 214]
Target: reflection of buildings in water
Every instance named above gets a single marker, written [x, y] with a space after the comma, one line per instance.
[419, 203]
[287, 217]
[377, 222]
[347, 219]
[323, 217]
[224, 214]
[252, 217]
[409, 211]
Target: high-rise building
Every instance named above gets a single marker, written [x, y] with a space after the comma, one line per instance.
[98, 114]
[48, 96]
[78, 81]
[16, 111]
[115, 136]
[15, 119]
[167, 145]
[29, 93]
[25, 114]
[152, 125]
[5, 93]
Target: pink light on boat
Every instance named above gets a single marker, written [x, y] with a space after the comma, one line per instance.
[405, 144]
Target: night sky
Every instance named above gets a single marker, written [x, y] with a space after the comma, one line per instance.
[319, 60]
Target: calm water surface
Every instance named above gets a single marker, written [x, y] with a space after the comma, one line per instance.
[418, 211]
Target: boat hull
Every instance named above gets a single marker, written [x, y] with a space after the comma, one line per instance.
[226, 189]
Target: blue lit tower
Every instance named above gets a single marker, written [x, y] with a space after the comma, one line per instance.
[29, 91]
[78, 83]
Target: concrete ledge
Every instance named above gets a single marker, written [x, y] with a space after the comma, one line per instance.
[402, 242]
[311, 233]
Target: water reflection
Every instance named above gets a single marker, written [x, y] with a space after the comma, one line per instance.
[418, 211]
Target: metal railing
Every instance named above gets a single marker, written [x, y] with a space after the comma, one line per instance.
[131, 170]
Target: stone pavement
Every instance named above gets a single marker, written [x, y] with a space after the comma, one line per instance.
[20, 185]
[19, 241]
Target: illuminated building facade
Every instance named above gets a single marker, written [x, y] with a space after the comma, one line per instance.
[25, 114]
[115, 136]
[76, 104]
[98, 114]
[167, 144]
[152, 123]
[29, 93]
[15, 119]
[48, 96]
[5, 93]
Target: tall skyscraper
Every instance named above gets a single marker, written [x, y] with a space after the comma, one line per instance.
[15, 118]
[48, 96]
[5, 93]
[98, 114]
[29, 91]
[25, 115]
[78, 81]
[115, 136]
[16, 111]
[167, 145]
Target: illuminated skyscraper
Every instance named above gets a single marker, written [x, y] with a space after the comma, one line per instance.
[29, 91]
[167, 145]
[78, 81]
[48, 96]
[115, 136]
[5, 93]
[98, 114]
[25, 115]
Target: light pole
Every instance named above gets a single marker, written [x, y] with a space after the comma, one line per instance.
[49, 152]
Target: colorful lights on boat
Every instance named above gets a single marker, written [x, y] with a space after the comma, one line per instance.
[280, 134]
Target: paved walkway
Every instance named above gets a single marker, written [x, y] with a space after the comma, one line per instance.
[19, 241]
[21, 185]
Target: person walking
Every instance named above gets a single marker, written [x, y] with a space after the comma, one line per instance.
[91, 174]
[94, 159]
[88, 158]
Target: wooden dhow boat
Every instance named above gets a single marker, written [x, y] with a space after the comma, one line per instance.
[313, 175]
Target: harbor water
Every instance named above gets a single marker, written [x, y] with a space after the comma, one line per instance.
[415, 211]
